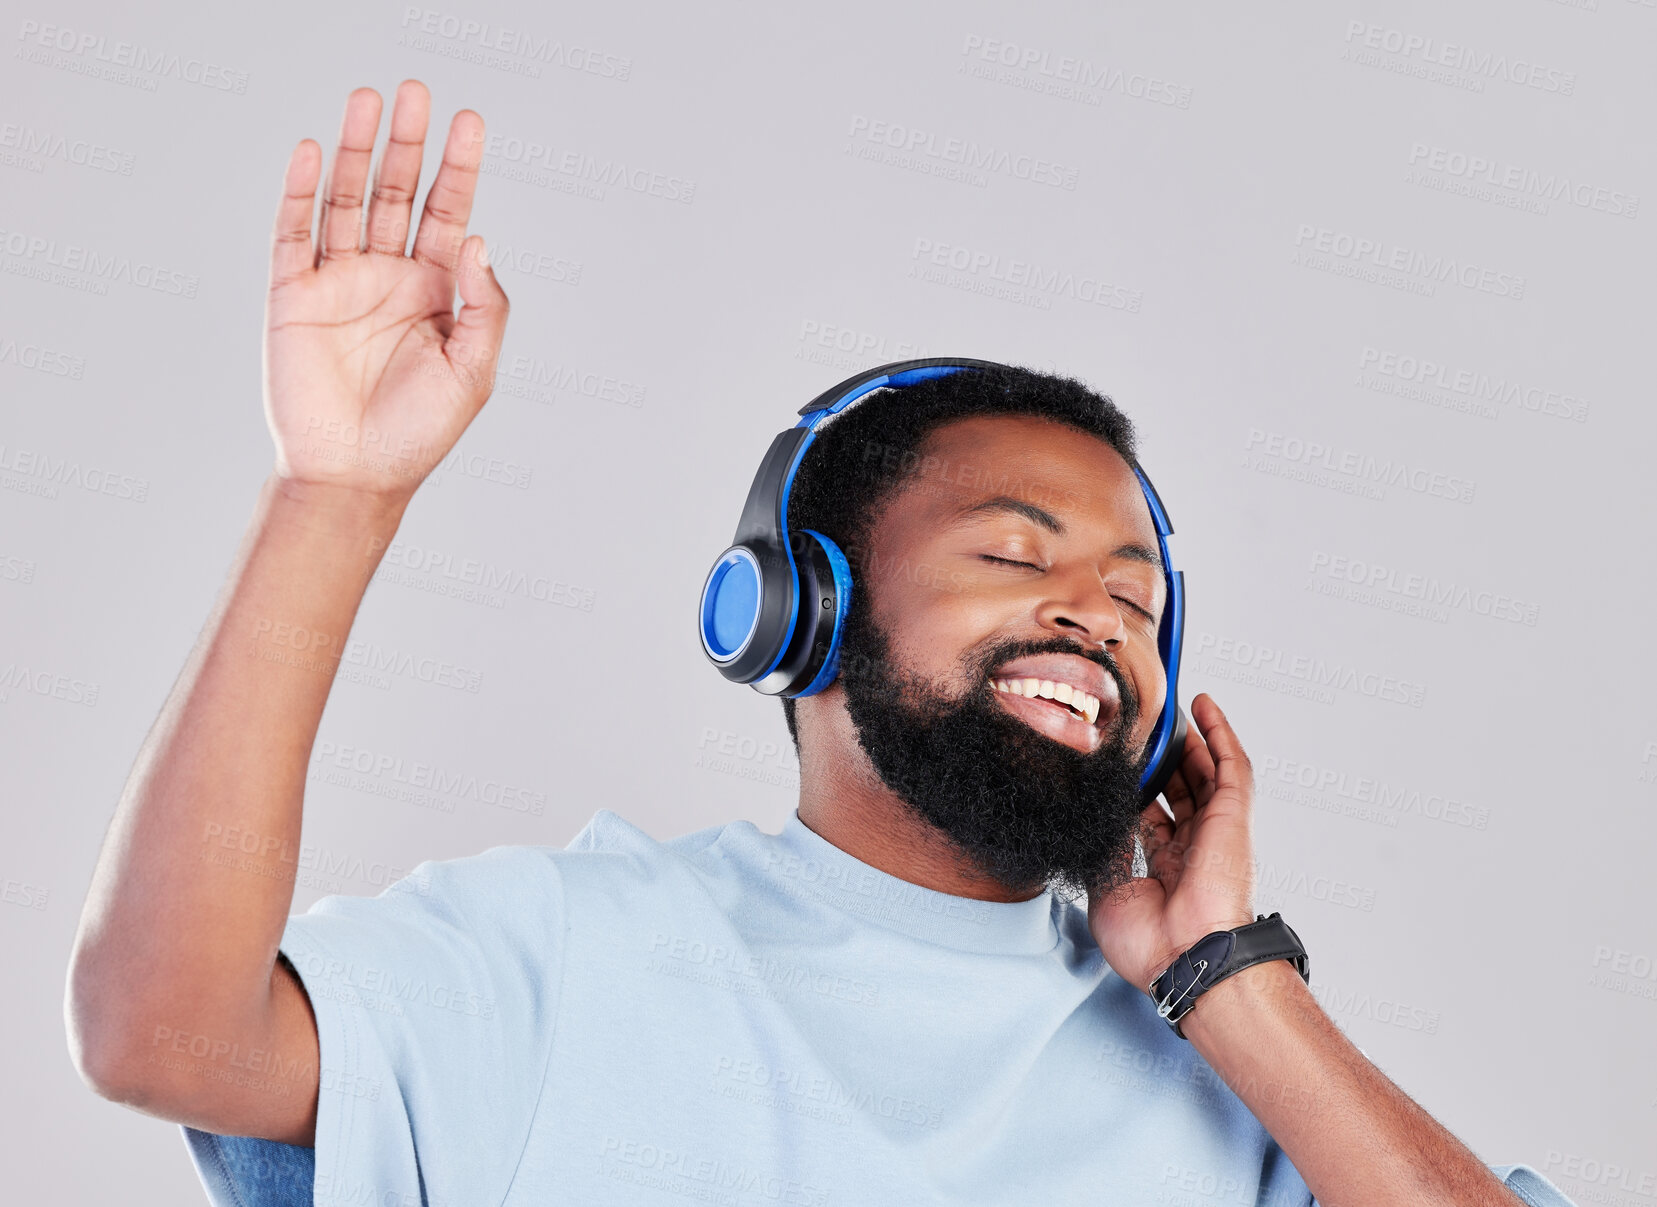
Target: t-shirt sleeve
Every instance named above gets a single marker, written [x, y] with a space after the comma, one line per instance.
[434, 1004]
[1531, 1186]
[1281, 1184]
[1525, 1182]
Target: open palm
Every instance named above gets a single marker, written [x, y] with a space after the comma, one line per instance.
[370, 377]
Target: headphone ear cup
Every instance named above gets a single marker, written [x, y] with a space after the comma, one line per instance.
[1173, 754]
[826, 587]
[730, 605]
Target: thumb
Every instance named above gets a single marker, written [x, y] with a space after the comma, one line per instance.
[474, 345]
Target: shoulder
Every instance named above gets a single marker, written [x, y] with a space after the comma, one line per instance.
[609, 860]
[612, 849]
[615, 869]
[462, 882]
[608, 833]
[607, 840]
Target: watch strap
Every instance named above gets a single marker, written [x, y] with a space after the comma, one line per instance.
[1220, 954]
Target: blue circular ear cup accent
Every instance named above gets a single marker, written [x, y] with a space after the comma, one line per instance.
[828, 665]
[730, 604]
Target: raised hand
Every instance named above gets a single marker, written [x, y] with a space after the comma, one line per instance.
[1201, 862]
[370, 377]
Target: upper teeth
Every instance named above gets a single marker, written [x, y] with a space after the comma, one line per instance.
[1048, 689]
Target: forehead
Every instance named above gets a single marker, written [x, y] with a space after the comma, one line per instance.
[1076, 476]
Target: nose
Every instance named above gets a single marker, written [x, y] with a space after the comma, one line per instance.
[1079, 605]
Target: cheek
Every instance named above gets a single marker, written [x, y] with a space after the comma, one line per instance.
[932, 622]
[1151, 682]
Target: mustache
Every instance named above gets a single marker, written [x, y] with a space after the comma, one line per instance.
[867, 659]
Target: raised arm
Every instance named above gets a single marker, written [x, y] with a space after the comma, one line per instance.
[176, 1004]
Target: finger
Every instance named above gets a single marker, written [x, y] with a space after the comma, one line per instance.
[399, 173]
[1232, 768]
[348, 176]
[1158, 844]
[291, 253]
[449, 200]
[1177, 793]
[1197, 767]
[474, 345]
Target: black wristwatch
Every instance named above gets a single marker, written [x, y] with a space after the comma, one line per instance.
[1220, 953]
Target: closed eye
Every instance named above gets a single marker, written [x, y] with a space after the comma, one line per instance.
[1007, 561]
[1134, 606]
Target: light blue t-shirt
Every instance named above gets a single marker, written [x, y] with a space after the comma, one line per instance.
[739, 1018]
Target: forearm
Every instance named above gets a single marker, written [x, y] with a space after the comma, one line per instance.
[1355, 1137]
[195, 880]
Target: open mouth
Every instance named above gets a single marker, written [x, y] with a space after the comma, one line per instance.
[1072, 701]
[1073, 722]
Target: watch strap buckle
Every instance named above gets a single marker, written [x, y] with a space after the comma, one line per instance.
[1166, 1006]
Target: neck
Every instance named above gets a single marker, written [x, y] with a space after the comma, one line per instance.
[844, 800]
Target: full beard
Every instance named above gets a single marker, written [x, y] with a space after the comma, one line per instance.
[1024, 809]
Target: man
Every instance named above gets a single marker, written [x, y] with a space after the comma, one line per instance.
[900, 998]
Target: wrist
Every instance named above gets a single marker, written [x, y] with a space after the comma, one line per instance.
[1245, 998]
[334, 507]
[1220, 956]
[1179, 948]
[338, 532]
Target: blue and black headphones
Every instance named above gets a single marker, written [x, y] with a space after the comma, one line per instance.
[775, 603]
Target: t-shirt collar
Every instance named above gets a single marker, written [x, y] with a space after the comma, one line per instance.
[812, 866]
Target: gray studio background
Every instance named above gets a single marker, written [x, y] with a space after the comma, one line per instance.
[1381, 308]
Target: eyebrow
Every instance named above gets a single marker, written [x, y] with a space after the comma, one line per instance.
[1132, 551]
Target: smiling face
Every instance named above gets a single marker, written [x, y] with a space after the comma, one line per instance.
[1000, 662]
